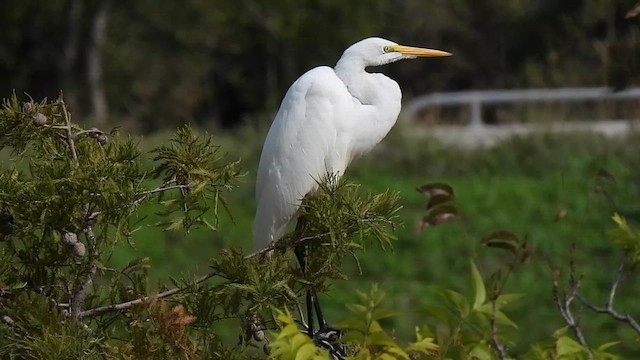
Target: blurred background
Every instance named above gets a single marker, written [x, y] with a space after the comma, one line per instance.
[223, 66]
[150, 65]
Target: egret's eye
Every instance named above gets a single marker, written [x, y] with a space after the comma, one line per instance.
[388, 49]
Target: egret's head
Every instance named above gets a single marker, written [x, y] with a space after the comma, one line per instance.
[377, 51]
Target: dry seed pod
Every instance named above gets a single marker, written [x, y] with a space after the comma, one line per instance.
[39, 119]
[79, 249]
[258, 335]
[7, 320]
[69, 239]
[102, 139]
[28, 107]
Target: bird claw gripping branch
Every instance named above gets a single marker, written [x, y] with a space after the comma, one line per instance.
[329, 338]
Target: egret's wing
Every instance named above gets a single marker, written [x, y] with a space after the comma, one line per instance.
[301, 147]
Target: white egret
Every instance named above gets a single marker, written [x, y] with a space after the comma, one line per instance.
[328, 117]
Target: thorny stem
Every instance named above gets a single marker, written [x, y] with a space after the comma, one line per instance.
[608, 306]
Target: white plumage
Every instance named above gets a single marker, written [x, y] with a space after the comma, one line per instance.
[328, 117]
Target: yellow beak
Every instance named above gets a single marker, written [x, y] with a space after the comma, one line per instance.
[418, 52]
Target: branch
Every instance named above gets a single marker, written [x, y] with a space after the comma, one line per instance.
[81, 294]
[564, 305]
[170, 292]
[608, 306]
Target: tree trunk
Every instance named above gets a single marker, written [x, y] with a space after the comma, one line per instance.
[70, 56]
[99, 104]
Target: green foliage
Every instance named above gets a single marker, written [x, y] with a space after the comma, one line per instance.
[339, 219]
[67, 199]
[196, 166]
[627, 238]
[39, 331]
[71, 195]
[291, 344]
[462, 326]
[365, 334]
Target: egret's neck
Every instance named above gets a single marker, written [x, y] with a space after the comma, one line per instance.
[379, 99]
[369, 89]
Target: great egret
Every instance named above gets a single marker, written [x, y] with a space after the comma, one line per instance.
[328, 117]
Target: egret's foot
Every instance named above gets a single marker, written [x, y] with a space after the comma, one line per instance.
[329, 338]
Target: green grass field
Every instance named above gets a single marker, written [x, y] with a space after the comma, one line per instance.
[519, 186]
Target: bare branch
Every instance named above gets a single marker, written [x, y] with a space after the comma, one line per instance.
[608, 306]
[564, 306]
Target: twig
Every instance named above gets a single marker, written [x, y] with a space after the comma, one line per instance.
[608, 306]
[495, 344]
[143, 196]
[69, 134]
[89, 131]
[162, 188]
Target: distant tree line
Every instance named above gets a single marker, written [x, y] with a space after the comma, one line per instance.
[155, 64]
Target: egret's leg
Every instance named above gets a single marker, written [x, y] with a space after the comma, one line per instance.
[322, 323]
[301, 255]
[326, 337]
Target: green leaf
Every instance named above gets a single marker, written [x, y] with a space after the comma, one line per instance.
[567, 346]
[481, 352]
[478, 285]
[441, 315]
[307, 351]
[383, 313]
[357, 309]
[424, 346]
[506, 299]
[288, 331]
[608, 345]
[298, 340]
[456, 300]
[398, 352]
[374, 327]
